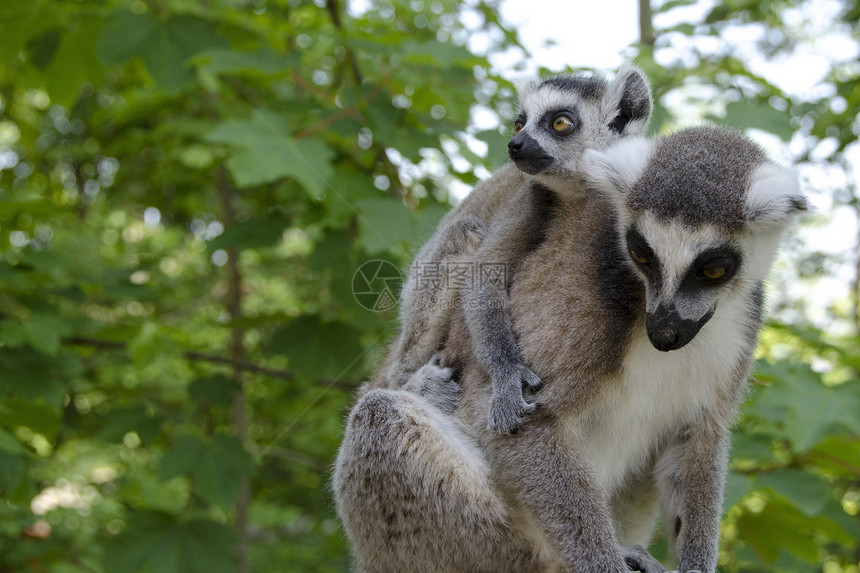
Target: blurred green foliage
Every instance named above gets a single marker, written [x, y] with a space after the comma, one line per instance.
[187, 191]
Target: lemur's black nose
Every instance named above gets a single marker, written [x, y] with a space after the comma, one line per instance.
[668, 331]
[664, 340]
[515, 145]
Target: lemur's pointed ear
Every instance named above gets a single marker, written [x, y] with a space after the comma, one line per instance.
[627, 102]
[616, 169]
[773, 196]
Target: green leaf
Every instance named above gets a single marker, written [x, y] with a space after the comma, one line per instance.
[332, 252]
[181, 458]
[748, 446]
[13, 334]
[222, 466]
[158, 542]
[837, 525]
[75, 62]
[776, 527]
[10, 444]
[11, 469]
[173, 44]
[759, 115]
[218, 390]
[217, 466]
[340, 203]
[736, 488]
[223, 61]
[386, 223]
[166, 46]
[839, 453]
[253, 234]
[264, 151]
[666, 6]
[125, 35]
[444, 55]
[800, 408]
[44, 332]
[39, 417]
[14, 205]
[317, 350]
[807, 492]
[22, 20]
[119, 421]
[35, 377]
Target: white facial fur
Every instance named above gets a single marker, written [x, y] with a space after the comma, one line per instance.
[677, 247]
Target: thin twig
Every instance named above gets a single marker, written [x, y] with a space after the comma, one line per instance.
[397, 189]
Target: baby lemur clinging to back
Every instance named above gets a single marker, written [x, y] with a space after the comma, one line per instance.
[640, 312]
[500, 222]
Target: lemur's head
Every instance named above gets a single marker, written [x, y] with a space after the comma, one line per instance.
[700, 217]
[560, 117]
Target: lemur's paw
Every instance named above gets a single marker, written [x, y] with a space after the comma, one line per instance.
[529, 380]
[508, 407]
[466, 234]
[638, 559]
[438, 385]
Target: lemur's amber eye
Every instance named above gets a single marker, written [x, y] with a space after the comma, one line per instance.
[518, 127]
[561, 123]
[714, 273]
[642, 260]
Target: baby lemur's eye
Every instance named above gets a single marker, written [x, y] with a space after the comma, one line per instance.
[639, 258]
[562, 123]
[518, 126]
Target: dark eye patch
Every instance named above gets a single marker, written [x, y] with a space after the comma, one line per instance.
[571, 114]
[642, 254]
[717, 266]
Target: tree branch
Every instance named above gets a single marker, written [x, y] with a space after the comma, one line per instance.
[194, 355]
[646, 25]
[233, 302]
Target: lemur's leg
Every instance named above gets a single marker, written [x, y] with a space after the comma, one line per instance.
[414, 493]
[635, 509]
[557, 486]
[691, 474]
[426, 305]
[634, 514]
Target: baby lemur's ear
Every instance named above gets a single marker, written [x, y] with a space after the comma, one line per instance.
[773, 196]
[616, 169]
[627, 102]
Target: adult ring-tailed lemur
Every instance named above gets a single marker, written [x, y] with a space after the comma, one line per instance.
[639, 311]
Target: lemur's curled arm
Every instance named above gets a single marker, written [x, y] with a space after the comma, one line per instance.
[487, 314]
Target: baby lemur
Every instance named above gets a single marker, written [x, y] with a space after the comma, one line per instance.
[639, 311]
[499, 223]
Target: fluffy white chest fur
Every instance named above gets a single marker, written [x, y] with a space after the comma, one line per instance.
[656, 393]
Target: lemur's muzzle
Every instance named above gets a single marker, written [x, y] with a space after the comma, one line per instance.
[527, 154]
[668, 331]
